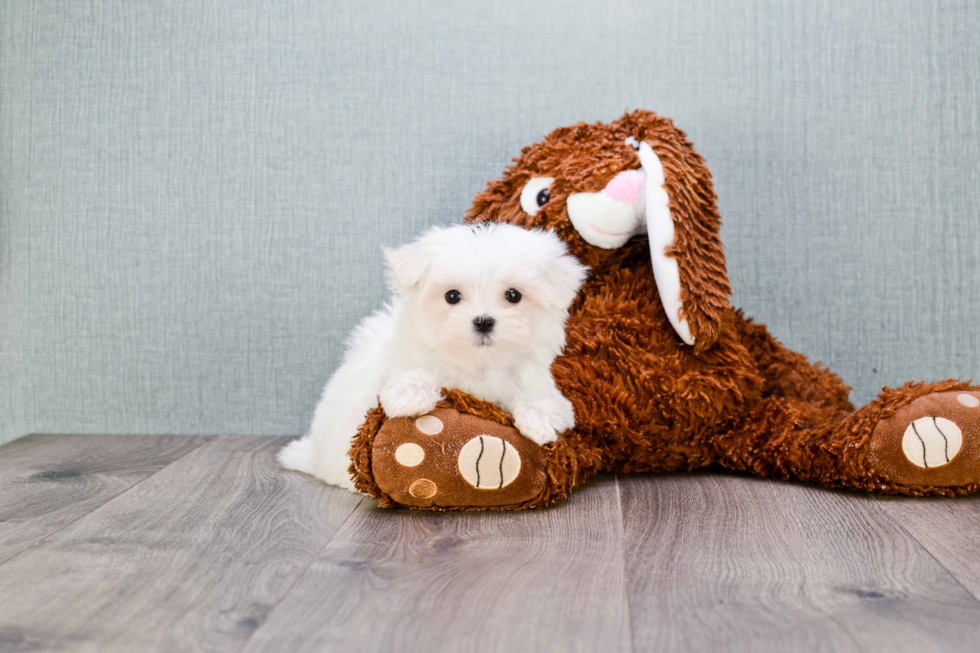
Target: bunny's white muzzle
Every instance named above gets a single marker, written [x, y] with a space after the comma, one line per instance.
[612, 216]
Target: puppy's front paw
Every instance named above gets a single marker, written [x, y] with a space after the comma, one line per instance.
[542, 419]
[561, 413]
[535, 425]
[409, 395]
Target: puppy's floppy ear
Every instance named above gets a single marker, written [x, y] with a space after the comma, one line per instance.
[406, 266]
[564, 277]
[561, 275]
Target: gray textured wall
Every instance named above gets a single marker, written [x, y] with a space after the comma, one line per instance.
[193, 195]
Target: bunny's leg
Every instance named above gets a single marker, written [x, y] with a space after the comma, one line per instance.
[789, 374]
[921, 439]
[465, 455]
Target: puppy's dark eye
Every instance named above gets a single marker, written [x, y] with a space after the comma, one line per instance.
[512, 295]
[453, 297]
[543, 197]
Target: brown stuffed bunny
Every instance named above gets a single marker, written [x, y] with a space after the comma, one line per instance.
[663, 373]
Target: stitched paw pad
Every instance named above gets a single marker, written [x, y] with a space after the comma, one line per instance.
[932, 442]
[447, 459]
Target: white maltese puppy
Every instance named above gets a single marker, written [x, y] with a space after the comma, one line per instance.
[477, 308]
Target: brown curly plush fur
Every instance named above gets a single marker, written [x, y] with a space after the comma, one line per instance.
[644, 401]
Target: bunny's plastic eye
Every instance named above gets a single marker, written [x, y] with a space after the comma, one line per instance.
[453, 297]
[536, 193]
[512, 295]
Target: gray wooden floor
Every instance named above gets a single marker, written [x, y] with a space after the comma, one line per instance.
[116, 543]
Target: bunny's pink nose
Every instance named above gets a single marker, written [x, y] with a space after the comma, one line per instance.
[626, 186]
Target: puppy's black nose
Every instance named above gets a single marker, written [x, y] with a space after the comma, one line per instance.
[483, 324]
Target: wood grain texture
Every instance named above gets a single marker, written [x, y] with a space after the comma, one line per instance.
[220, 550]
[737, 564]
[549, 580]
[48, 481]
[192, 559]
[948, 529]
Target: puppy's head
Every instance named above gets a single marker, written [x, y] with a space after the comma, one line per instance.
[483, 294]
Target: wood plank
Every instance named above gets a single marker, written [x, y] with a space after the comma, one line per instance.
[548, 580]
[718, 562]
[48, 481]
[948, 528]
[191, 559]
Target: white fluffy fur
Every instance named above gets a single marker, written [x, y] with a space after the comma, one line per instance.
[419, 343]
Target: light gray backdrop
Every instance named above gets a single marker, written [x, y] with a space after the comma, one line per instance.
[194, 194]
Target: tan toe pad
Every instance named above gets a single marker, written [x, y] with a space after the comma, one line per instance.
[932, 442]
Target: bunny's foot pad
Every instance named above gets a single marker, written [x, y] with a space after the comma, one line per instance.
[933, 442]
[449, 460]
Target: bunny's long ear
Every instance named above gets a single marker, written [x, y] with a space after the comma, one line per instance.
[685, 244]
